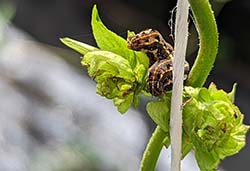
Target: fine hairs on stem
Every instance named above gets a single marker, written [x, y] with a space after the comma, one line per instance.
[181, 36]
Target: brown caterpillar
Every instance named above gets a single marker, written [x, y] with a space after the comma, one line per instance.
[160, 72]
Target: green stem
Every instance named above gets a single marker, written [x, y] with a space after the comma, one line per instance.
[208, 35]
[153, 149]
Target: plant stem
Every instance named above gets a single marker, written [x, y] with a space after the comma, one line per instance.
[153, 149]
[208, 35]
[181, 36]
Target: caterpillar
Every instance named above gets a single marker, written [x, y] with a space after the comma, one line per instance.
[160, 53]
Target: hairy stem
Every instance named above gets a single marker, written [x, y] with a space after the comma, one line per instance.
[208, 35]
[181, 36]
[153, 149]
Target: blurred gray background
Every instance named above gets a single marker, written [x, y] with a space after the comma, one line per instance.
[50, 117]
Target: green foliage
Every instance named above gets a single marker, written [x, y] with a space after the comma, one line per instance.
[6, 13]
[108, 40]
[80, 47]
[212, 124]
[114, 77]
[157, 111]
[216, 129]
[118, 71]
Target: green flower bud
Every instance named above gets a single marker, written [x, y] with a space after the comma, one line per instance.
[114, 77]
[214, 124]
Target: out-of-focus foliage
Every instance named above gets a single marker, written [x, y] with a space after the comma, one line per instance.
[6, 13]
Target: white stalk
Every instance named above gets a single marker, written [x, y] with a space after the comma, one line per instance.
[181, 36]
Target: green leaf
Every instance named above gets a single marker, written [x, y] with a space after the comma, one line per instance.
[204, 95]
[110, 41]
[140, 73]
[191, 92]
[136, 100]
[207, 160]
[218, 94]
[231, 95]
[159, 112]
[123, 104]
[187, 144]
[101, 61]
[141, 57]
[130, 33]
[80, 47]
